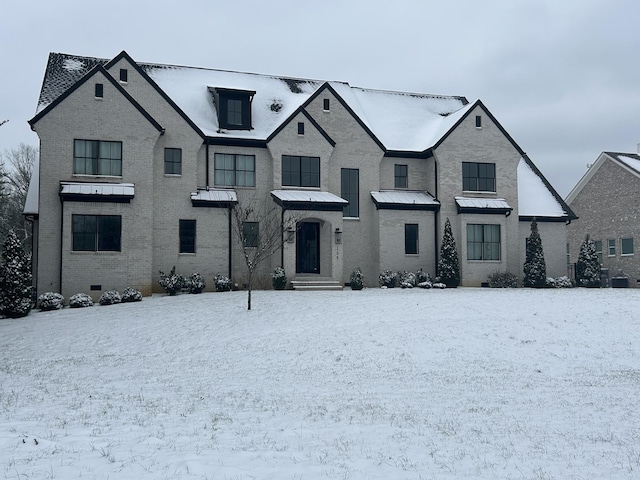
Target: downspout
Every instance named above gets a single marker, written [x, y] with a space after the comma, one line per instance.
[206, 163]
[436, 216]
[61, 243]
[230, 241]
[282, 237]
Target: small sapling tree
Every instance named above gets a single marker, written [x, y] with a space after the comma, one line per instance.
[448, 264]
[588, 266]
[535, 269]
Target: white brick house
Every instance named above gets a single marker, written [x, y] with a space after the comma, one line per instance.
[141, 163]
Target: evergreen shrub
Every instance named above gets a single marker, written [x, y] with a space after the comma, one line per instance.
[15, 279]
[503, 280]
[222, 283]
[196, 283]
[388, 279]
[131, 295]
[357, 279]
[80, 300]
[172, 282]
[110, 297]
[279, 278]
[50, 301]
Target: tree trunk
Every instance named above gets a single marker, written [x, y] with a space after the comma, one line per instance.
[249, 286]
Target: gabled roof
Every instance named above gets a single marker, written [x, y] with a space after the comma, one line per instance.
[537, 198]
[416, 123]
[628, 161]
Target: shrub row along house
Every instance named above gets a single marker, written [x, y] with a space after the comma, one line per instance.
[141, 163]
[606, 198]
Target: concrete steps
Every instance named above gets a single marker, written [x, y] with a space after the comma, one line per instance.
[302, 283]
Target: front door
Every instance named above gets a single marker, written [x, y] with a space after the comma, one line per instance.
[308, 248]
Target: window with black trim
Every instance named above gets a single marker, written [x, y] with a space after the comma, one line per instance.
[97, 157]
[96, 233]
[187, 236]
[350, 191]
[124, 75]
[250, 234]
[234, 170]
[411, 238]
[173, 161]
[626, 246]
[478, 177]
[401, 179]
[483, 242]
[300, 128]
[478, 121]
[99, 90]
[300, 171]
[325, 104]
[234, 108]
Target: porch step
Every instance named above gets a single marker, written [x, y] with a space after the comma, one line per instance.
[315, 284]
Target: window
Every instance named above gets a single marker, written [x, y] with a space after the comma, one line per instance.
[99, 92]
[300, 128]
[478, 121]
[187, 236]
[568, 254]
[96, 233]
[599, 250]
[400, 176]
[300, 171]
[250, 232]
[234, 108]
[173, 161]
[612, 247]
[478, 177]
[483, 242]
[234, 111]
[325, 105]
[95, 157]
[626, 246]
[124, 75]
[232, 170]
[350, 191]
[411, 239]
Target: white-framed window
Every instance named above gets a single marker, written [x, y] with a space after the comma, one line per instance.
[611, 247]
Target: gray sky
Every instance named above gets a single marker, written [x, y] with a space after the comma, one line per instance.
[562, 76]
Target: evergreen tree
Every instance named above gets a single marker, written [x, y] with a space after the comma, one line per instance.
[588, 266]
[448, 264]
[15, 279]
[535, 269]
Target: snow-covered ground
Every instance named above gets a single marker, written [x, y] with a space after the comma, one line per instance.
[377, 384]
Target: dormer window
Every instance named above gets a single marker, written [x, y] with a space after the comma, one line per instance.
[234, 108]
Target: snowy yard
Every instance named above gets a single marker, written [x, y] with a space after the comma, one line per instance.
[382, 384]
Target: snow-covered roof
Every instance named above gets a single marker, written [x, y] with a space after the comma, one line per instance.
[631, 160]
[306, 196]
[214, 196]
[417, 123]
[404, 199]
[534, 197]
[101, 189]
[483, 203]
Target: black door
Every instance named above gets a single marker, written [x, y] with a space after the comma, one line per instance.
[308, 248]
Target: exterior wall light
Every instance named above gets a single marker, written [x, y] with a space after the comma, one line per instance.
[338, 235]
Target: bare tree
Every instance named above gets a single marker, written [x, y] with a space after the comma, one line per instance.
[261, 229]
[2, 122]
[14, 187]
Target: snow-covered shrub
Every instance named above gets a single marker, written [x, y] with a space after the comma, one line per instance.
[50, 301]
[439, 285]
[588, 265]
[448, 264]
[110, 297]
[388, 278]
[426, 284]
[279, 278]
[422, 276]
[407, 279]
[15, 279]
[80, 300]
[560, 282]
[534, 269]
[172, 283]
[196, 283]
[131, 295]
[222, 283]
[503, 280]
[357, 279]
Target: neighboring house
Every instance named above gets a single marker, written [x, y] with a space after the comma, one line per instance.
[140, 165]
[606, 199]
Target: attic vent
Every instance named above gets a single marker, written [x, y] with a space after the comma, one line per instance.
[294, 85]
[276, 106]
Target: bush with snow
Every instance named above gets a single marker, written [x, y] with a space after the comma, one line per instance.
[80, 300]
[357, 279]
[196, 283]
[110, 297]
[426, 284]
[503, 280]
[171, 282]
[15, 279]
[131, 295]
[448, 264]
[222, 283]
[279, 278]
[407, 279]
[50, 301]
[588, 265]
[388, 279]
[422, 276]
[559, 282]
[439, 285]
[534, 269]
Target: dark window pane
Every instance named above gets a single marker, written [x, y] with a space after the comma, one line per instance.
[411, 238]
[109, 233]
[300, 128]
[350, 191]
[187, 236]
[99, 90]
[124, 75]
[401, 176]
[326, 104]
[250, 232]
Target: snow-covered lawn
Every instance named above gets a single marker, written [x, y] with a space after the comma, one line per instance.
[382, 384]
